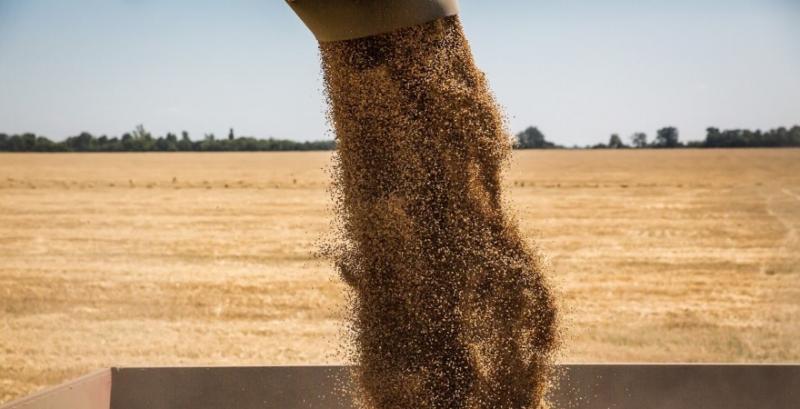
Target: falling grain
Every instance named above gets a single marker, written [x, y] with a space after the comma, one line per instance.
[449, 307]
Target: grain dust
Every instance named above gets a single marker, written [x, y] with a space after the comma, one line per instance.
[449, 307]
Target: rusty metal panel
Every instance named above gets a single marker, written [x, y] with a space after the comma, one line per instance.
[92, 391]
[228, 387]
[679, 386]
[601, 386]
[581, 387]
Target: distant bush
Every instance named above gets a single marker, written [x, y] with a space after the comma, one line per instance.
[140, 140]
[667, 138]
[533, 138]
[614, 142]
[734, 138]
[639, 140]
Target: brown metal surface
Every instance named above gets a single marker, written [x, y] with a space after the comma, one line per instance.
[679, 387]
[334, 20]
[228, 387]
[581, 387]
[92, 391]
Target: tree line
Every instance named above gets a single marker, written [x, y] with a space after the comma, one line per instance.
[141, 140]
[669, 137]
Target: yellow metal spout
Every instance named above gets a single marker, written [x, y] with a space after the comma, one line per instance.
[336, 20]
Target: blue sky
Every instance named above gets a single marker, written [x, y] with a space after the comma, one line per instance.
[578, 69]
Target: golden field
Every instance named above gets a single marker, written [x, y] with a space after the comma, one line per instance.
[191, 258]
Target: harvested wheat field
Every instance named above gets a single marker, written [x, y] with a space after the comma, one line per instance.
[148, 259]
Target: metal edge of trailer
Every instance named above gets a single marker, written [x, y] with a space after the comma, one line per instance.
[580, 386]
[91, 391]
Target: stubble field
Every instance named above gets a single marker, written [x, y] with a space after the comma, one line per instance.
[155, 259]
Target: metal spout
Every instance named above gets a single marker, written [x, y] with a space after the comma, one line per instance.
[336, 20]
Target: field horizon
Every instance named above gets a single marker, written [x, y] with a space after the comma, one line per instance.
[208, 258]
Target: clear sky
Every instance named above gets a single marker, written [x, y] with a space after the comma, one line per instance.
[578, 69]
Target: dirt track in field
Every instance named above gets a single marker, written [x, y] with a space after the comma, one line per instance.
[153, 259]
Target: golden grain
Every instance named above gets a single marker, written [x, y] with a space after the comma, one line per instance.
[449, 306]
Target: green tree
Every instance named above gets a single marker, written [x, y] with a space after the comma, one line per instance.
[713, 136]
[84, 142]
[794, 135]
[667, 137]
[142, 139]
[172, 142]
[24, 142]
[127, 142]
[614, 142]
[639, 140]
[209, 143]
[45, 145]
[533, 138]
[140, 133]
[185, 143]
[160, 144]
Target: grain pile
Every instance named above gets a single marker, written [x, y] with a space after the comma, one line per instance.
[449, 307]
